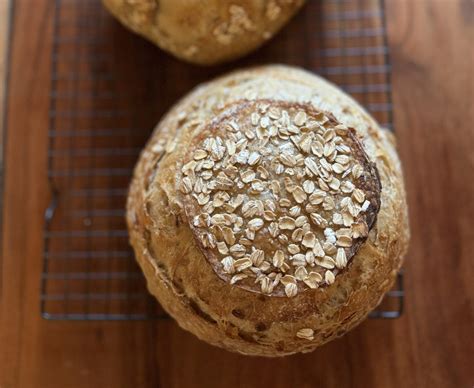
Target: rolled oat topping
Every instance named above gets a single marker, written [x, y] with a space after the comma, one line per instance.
[281, 198]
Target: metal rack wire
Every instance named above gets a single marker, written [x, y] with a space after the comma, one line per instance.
[108, 89]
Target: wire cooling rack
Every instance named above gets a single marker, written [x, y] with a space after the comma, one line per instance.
[108, 90]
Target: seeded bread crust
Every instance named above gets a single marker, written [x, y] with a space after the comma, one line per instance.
[179, 274]
[239, 114]
[205, 32]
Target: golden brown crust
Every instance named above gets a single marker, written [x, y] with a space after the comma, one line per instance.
[205, 32]
[180, 276]
[221, 214]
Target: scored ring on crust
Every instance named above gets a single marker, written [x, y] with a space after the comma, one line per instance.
[279, 196]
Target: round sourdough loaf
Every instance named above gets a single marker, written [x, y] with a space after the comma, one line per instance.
[268, 212]
[205, 31]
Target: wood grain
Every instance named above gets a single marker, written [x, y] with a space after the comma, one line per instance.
[430, 346]
[4, 40]
[4, 26]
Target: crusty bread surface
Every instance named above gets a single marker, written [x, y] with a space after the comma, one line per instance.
[205, 32]
[189, 278]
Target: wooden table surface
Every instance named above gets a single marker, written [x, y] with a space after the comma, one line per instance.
[432, 345]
